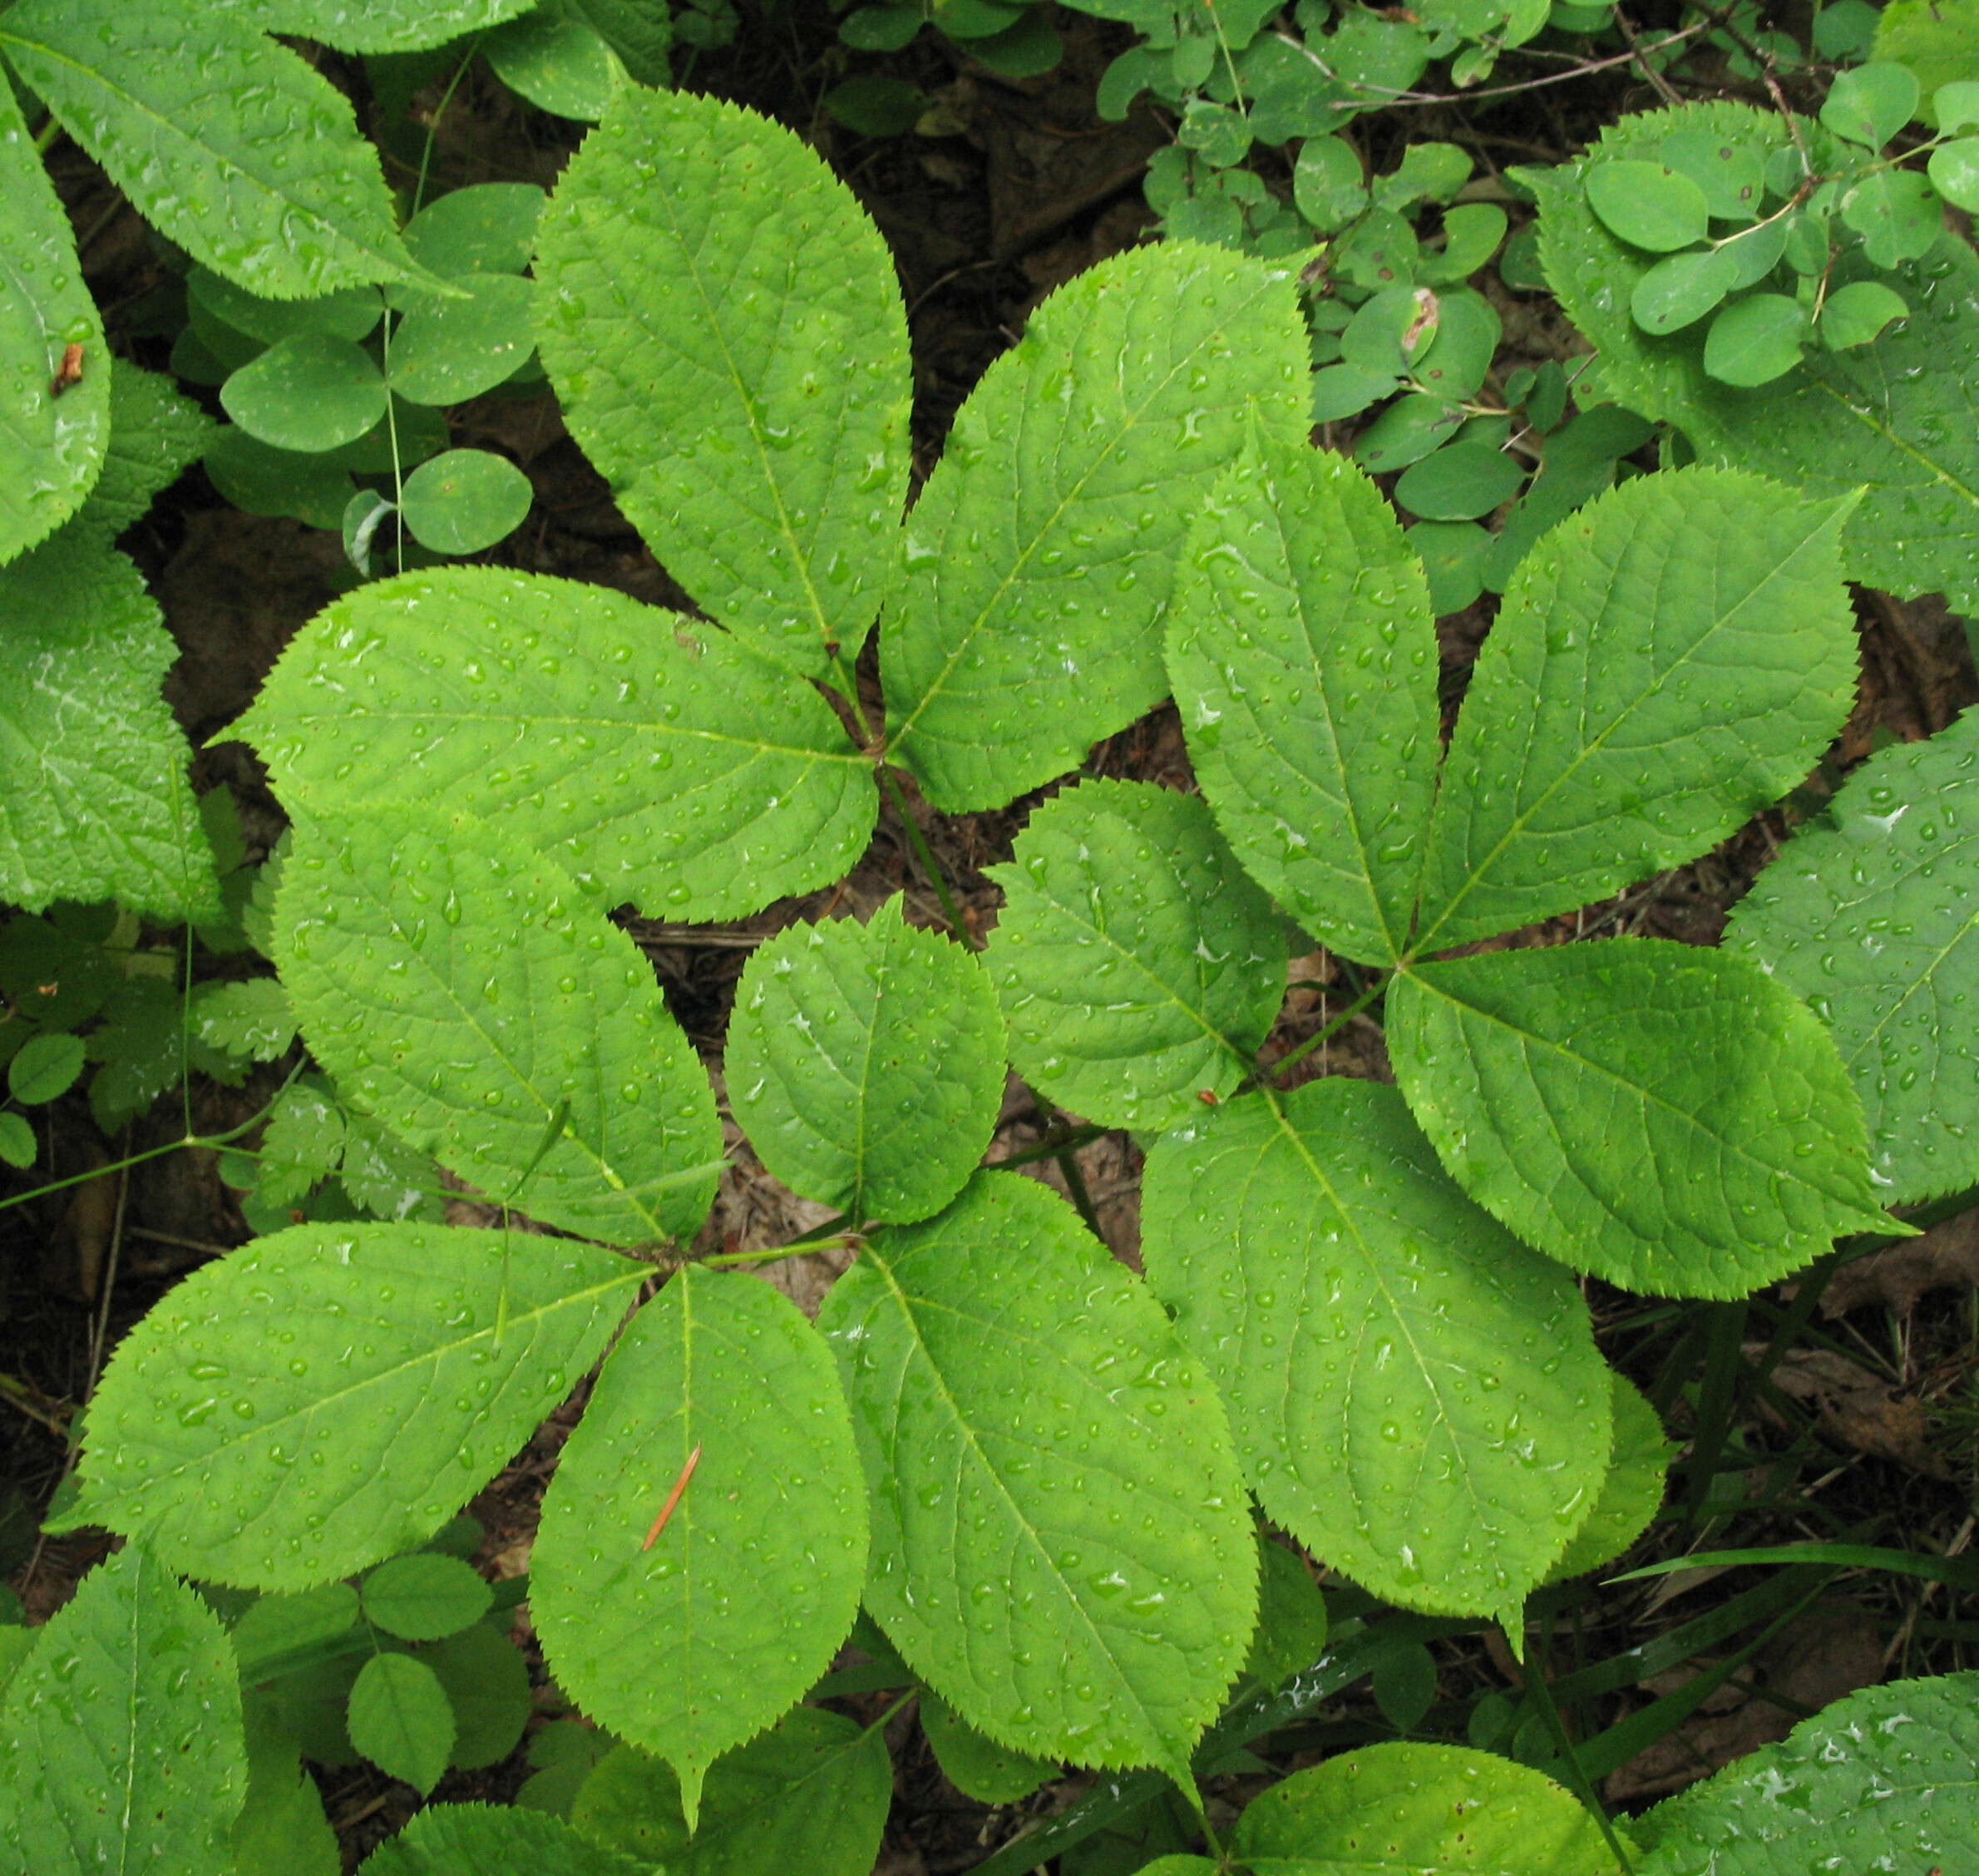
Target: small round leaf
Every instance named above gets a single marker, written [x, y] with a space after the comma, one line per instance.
[1899, 215]
[1869, 105]
[1856, 313]
[488, 228]
[1956, 105]
[17, 1140]
[312, 391]
[1327, 185]
[1648, 205]
[422, 1596]
[46, 1066]
[400, 1720]
[1954, 170]
[1682, 288]
[465, 500]
[1459, 482]
[1755, 340]
[560, 64]
[446, 351]
[1731, 174]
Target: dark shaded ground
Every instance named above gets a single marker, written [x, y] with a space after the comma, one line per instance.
[1025, 190]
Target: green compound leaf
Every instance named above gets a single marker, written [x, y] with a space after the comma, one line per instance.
[1137, 963]
[94, 799]
[401, 1721]
[556, 60]
[1755, 340]
[1857, 313]
[1401, 1809]
[865, 1064]
[312, 393]
[692, 1644]
[331, 1394]
[1869, 104]
[51, 442]
[810, 1795]
[1870, 915]
[486, 228]
[1648, 205]
[720, 322]
[1416, 1398]
[446, 351]
[380, 26]
[1631, 1493]
[1041, 554]
[282, 1829]
[1668, 662]
[1667, 1118]
[1060, 1543]
[466, 1839]
[1894, 415]
[154, 434]
[1291, 1616]
[226, 141]
[425, 1595]
[465, 500]
[460, 988]
[1886, 1778]
[487, 1685]
[1303, 664]
[975, 1764]
[652, 758]
[46, 1068]
[120, 1744]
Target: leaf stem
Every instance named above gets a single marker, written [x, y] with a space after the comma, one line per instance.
[1542, 1696]
[1369, 994]
[924, 854]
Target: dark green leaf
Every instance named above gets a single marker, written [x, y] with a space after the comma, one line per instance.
[1682, 288]
[558, 61]
[423, 1596]
[484, 1839]
[1755, 340]
[465, 500]
[310, 392]
[1857, 313]
[1459, 482]
[46, 1066]
[400, 1720]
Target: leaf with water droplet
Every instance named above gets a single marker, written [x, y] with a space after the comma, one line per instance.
[121, 1741]
[366, 1452]
[865, 1064]
[1874, 911]
[1668, 1118]
[689, 1646]
[1062, 1550]
[1416, 1397]
[1138, 963]
[450, 1839]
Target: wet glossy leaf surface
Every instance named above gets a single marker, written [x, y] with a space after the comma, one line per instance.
[1674, 659]
[461, 988]
[735, 360]
[446, 351]
[1632, 1491]
[653, 759]
[226, 140]
[382, 25]
[1304, 663]
[1416, 1397]
[690, 1646]
[865, 1064]
[332, 1393]
[452, 1840]
[1668, 1118]
[1040, 557]
[154, 434]
[1060, 1546]
[1138, 966]
[120, 1744]
[1870, 914]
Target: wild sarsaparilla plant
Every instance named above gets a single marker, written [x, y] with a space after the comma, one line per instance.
[1032, 1467]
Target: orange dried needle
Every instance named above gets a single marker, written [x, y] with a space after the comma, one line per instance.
[666, 1510]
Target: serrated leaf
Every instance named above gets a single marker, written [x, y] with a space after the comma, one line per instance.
[1138, 963]
[692, 1643]
[223, 139]
[385, 1177]
[466, 1839]
[400, 1720]
[1303, 660]
[720, 322]
[377, 1402]
[1870, 916]
[94, 800]
[1887, 1776]
[154, 435]
[1404, 1807]
[380, 26]
[1668, 1118]
[865, 1064]
[303, 1143]
[975, 1764]
[1440, 1451]
[653, 759]
[1040, 556]
[459, 987]
[1291, 1616]
[487, 1685]
[1671, 661]
[120, 1744]
[810, 1795]
[1632, 1492]
[272, 1627]
[55, 432]
[44, 1067]
[422, 1596]
[1060, 1545]
[1894, 418]
[282, 1829]
[250, 1020]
